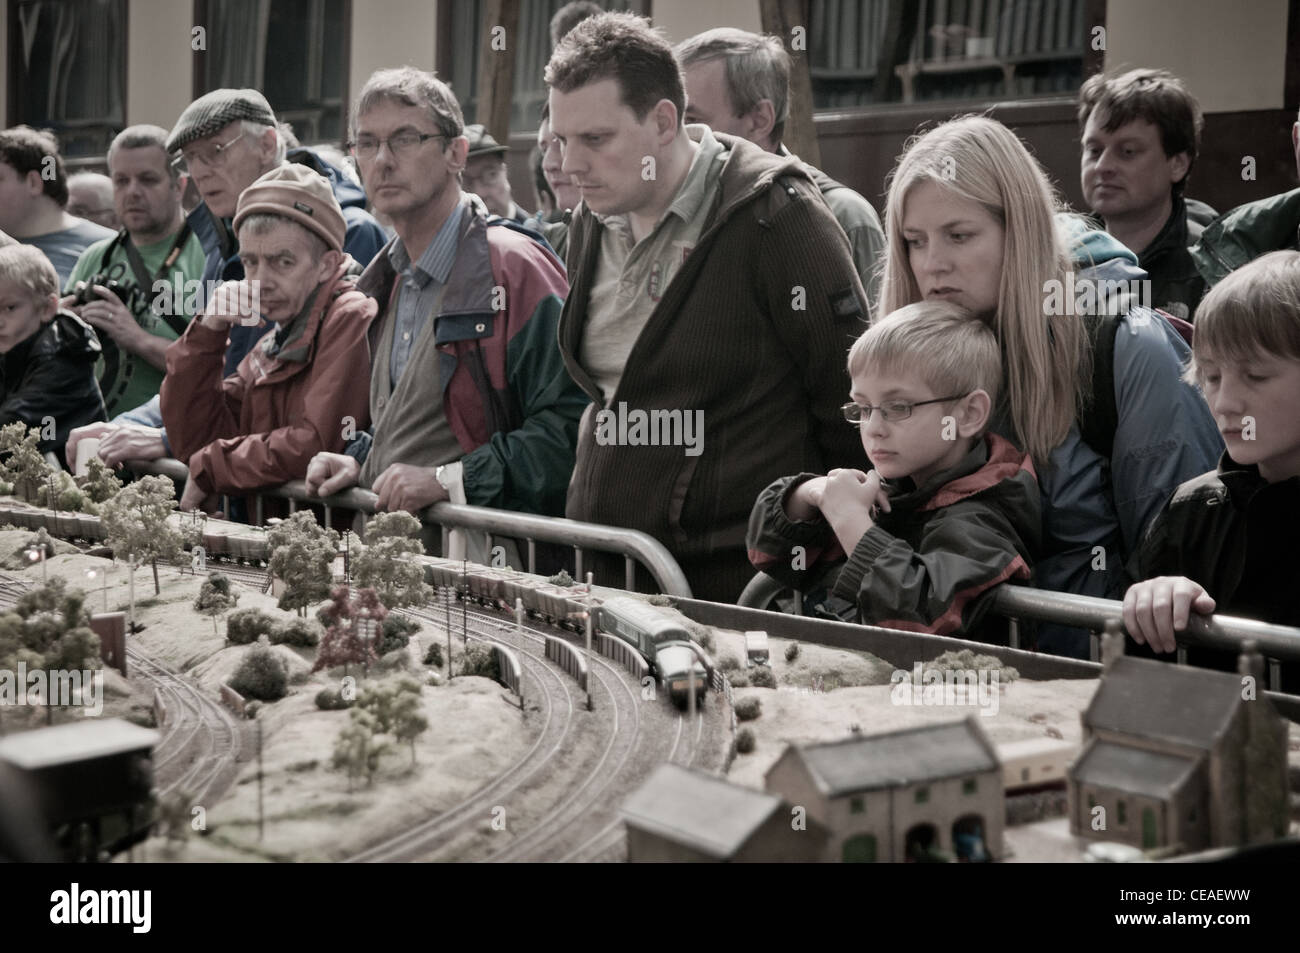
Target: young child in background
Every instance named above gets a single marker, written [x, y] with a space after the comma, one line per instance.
[1225, 541]
[47, 356]
[948, 511]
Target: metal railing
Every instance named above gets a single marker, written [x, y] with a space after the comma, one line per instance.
[633, 545]
[1276, 643]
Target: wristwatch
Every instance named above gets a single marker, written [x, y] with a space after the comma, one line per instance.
[438, 475]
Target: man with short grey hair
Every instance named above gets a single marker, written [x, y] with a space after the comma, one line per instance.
[738, 83]
[90, 196]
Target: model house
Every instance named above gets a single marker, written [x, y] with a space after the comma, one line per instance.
[1179, 757]
[685, 815]
[922, 793]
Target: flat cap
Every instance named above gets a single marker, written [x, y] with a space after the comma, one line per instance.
[299, 194]
[215, 110]
[481, 142]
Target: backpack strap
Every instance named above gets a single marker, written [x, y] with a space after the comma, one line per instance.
[1099, 418]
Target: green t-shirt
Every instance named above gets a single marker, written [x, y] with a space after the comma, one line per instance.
[127, 380]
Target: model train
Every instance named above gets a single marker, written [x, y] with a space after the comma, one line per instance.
[671, 655]
[673, 658]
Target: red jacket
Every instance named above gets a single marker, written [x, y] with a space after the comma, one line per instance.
[263, 424]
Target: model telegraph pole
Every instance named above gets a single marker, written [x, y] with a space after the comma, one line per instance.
[590, 665]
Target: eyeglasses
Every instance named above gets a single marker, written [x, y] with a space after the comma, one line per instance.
[211, 158]
[891, 412]
[399, 146]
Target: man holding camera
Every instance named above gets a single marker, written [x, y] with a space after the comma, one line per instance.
[125, 287]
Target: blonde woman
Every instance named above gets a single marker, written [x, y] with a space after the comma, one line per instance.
[971, 218]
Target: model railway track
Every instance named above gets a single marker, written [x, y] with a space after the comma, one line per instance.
[557, 704]
[201, 740]
[608, 844]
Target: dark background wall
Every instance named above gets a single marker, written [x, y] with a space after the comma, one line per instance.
[860, 148]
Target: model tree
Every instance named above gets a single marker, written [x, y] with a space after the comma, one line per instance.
[408, 719]
[359, 746]
[49, 629]
[302, 554]
[23, 463]
[215, 597]
[100, 483]
[353, 623]
[136, 523]
[385, 563]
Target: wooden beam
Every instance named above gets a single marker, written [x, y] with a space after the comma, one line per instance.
[780, 18]
[496, 69]
[895, 47]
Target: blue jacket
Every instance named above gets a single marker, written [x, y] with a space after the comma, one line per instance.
[1094, 516]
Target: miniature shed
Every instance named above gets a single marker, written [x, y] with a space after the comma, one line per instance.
[683, 815]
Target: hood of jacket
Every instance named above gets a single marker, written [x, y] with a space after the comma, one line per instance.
[348, 193]
[66, 335]
[1248, 231]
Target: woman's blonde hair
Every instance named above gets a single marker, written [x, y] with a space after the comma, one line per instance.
[1047, 363]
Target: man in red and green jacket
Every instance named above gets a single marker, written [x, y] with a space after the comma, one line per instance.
[469, 396]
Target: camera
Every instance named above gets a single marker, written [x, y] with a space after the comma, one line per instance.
[84, 292]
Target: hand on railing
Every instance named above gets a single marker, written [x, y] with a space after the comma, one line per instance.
[330, 473]
[1157, 608]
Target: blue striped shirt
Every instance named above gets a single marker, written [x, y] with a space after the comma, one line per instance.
[419, 285]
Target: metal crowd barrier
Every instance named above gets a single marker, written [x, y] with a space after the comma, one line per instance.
[633, 545]
[1276, 643]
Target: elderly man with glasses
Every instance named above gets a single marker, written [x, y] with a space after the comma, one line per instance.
[469, 397]
[225, 140]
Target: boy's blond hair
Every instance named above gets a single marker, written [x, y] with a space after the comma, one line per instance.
[942, 343]
[1253, 311]
[27, 266]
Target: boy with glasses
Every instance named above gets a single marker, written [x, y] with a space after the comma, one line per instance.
[948, 511]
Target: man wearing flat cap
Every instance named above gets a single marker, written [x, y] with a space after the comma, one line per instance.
[304, 387]
[225, 140]
[486, 176]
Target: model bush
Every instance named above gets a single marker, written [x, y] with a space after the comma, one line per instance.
[23, 464]
[434, 655]
[728, 662]
[397, 632]
[561, 578]
[301, 633]
[760, 676]
[479, 659]
[792, 651]
[331, 699]
[744, 741]
[702, 634]
[261, 675]
[747, 709]
[248, 625]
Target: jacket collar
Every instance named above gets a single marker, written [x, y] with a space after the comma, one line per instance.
[1242, 481]
[293, 343]
[988, 463]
